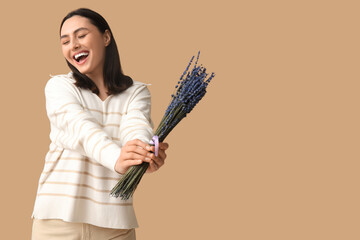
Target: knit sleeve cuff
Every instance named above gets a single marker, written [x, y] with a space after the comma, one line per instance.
[109, 155]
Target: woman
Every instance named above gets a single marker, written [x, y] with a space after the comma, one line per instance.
[100, 126]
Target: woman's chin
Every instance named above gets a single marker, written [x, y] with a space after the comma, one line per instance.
[83, 70]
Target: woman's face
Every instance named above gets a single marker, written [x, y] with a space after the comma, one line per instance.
[83, 45]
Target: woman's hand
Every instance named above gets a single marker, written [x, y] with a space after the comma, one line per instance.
[135, 152]
[158, 161]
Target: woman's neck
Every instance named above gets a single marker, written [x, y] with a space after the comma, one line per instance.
[98, 79]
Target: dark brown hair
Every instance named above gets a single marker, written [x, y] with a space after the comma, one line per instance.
[114, 79]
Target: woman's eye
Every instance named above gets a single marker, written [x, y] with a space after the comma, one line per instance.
[82, 36]
[66, 42]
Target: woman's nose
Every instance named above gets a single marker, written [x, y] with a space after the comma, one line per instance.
[75, 44]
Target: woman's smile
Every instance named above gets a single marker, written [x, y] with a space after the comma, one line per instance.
[81, 57]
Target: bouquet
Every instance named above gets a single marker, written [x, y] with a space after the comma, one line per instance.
[190, 89]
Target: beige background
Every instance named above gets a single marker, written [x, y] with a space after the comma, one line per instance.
[271, 152]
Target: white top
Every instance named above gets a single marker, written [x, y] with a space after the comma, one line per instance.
[86, 138]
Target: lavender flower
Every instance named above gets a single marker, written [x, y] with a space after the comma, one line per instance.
[190, 89]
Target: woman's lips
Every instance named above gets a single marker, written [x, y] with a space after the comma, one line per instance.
[82, 60]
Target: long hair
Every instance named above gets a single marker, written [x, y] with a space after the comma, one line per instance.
[114, 79]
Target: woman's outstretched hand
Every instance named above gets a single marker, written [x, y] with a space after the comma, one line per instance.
[135, 152]
[158, 161]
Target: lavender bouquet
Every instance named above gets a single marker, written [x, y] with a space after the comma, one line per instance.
[190, 89]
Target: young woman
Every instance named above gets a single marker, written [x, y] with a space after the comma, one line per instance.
[100, 126]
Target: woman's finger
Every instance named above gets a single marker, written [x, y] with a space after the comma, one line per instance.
[136, 149]
[159, 160]
[129, 163]
[152, 148]
[163, 145]
[135, 156]
[138, 142]
[153, 165]
[162, 154]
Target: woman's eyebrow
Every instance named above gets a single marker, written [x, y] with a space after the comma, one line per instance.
[79, 29]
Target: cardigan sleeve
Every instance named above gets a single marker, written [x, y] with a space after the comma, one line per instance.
[137, 123]
[74, 128]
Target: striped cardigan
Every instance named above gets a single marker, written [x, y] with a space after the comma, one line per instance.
[86, 138]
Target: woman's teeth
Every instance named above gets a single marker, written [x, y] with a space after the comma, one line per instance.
[78, 56]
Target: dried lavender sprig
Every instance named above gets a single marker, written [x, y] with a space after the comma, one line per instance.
[192, 94]
[189, 92]
[187, 67]
[197, 91]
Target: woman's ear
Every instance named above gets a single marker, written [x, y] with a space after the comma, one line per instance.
[107, 37]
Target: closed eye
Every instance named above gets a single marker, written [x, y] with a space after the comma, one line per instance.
[82, 36]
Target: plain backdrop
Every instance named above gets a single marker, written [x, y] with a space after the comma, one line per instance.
[271, 152]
